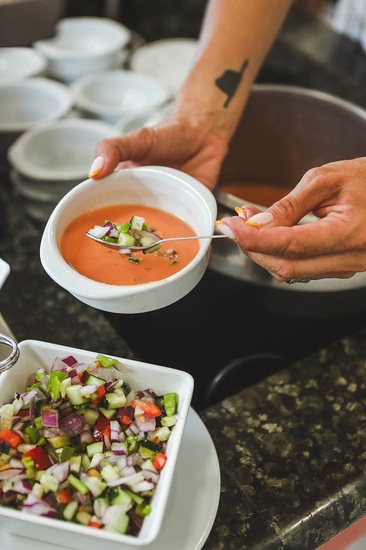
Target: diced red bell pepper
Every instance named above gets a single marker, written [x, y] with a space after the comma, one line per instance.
[40, 457]
[159, 461]
[102, 428]
[12, 438]
[147, 407]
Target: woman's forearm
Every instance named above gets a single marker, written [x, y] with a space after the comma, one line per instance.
[235, 38]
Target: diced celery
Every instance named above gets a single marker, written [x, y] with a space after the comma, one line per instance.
[77, 484]
[170, 403]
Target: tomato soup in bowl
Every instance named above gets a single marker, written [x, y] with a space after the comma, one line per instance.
[107, 265]
[173, 204]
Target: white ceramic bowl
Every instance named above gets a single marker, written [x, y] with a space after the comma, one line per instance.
[168, 61]
[58, 152]
[159, 187]
[32, 101]
[112, 95]
[20, 62]
[84, 45]
[34, 354]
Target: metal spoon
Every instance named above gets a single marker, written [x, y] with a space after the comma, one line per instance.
[155, 243]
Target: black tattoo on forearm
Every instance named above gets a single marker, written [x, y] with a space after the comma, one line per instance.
[230, 80]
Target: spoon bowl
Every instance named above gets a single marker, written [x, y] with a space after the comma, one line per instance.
[151, 247]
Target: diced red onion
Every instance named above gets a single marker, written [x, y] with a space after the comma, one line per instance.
[72, 424]
[33, 505]
[145, 423]
[60, 470]
[130, 480]
[9, 472]
[143, 486]
[149, 475]
[118, 448]
[49, 418]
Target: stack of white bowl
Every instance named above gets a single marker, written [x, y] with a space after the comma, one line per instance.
[28, 102]
[47, 161]
[114, 95]
[84, 45]
[20, 62]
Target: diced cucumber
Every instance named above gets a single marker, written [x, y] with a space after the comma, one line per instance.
[125, 239]
[120, 496]
[169, 421]
[109, 473]
[91, 416]
[108, 413]
[93, 448]
[74, 396]
[83, 517]
[70, 510]
[115, 400]
[92, 379]
[137, 222]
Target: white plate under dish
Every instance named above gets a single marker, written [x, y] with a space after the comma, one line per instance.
[197, 467]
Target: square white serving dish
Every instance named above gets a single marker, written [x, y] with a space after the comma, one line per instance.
[35, 354]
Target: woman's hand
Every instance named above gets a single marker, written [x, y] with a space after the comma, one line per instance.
[185, 143]
[333, 246]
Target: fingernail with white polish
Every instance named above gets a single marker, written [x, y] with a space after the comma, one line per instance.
[241, 212]
[225, 229]
[263, 218]
[96, 167]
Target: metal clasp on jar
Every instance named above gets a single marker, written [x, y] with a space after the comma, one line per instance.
[13, 356]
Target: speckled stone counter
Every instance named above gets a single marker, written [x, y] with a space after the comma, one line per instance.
[293, 453]
[292, 449]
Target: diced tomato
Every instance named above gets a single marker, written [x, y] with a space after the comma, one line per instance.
[99, 394]
[147, 407]
[94, 523]
[40, 457]
[64, 496]
[102, 428]
[125, 420]
[159, 461]
[12, 438]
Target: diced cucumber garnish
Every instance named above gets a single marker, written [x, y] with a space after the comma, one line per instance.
[137, 222]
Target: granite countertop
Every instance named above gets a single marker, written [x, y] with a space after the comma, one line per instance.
[292, 448]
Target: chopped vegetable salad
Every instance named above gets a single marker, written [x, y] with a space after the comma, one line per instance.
[81, 445]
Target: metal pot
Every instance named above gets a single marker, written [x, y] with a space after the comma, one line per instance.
[285, 130]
